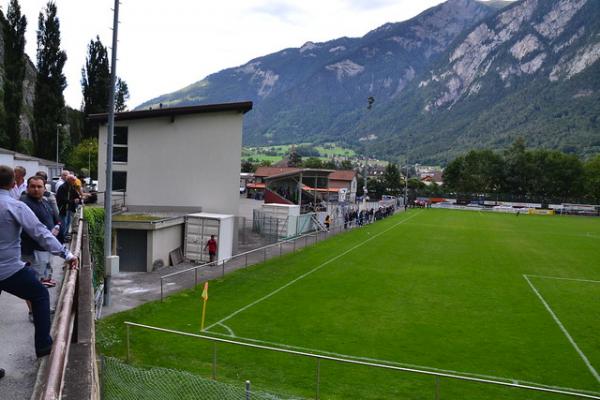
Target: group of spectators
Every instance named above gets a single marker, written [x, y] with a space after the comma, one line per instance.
[35, 224]
[363, 217]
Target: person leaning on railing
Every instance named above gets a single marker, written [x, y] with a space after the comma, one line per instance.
[15, 278]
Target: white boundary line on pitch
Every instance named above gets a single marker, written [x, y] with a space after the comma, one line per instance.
[564, 330]
[405, 365]
[231, 332]
[562, 279]
[309, 272]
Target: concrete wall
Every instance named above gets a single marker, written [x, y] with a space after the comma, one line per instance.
[161, 242]
[190, 163]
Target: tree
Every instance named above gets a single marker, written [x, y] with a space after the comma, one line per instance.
[247, 166]
[49, 104]
[391, 179]
[454, 175]
[95, 84]
[294, 159]
[121, 96]
[312, 162]
[85, 156]
[329, 164]
[14, 74]
[346, 165]
[592, 179]
[518, 168]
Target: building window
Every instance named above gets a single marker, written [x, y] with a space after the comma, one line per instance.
[119, 182]
[120, 139]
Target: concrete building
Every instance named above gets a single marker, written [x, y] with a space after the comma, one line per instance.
[30, 163]
[176, 159]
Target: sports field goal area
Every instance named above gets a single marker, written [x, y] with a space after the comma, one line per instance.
[487, 296]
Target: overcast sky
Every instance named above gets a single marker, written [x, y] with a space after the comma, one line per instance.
[166, 45]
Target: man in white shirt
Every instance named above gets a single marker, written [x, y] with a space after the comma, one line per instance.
[20, 184]
[63, 179]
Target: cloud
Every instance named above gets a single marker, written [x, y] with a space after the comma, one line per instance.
[368, 4]
[279, 10]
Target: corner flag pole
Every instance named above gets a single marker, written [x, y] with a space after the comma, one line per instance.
[205, 297]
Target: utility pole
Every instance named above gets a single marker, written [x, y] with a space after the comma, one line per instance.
[58, 127]
[108, 259]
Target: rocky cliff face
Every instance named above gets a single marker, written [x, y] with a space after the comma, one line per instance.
[523, 40]
[530, 70]
[28, 88]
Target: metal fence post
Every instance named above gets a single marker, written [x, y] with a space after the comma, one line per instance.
[195, 277]
[318, 378]
[161, 289]
[280, 248]
[294, 242]
[437, 388]
[265, 254]
[214, 362]
[223, 266]
[247, 390]
[246, 259]
[128, 353]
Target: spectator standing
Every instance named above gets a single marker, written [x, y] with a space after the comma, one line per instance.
[32, 252]
[20, 186]
[67, 198]
[48, 194]
[15, 216]
[211, 245]
[63, 178]
[327, 221]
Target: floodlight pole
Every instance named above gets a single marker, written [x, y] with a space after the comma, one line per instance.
[109, 159]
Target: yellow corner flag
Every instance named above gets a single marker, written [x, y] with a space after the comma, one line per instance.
[205, 297]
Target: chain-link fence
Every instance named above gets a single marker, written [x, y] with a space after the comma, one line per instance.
[121, 381]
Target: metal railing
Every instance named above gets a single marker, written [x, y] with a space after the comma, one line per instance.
[343, 360]
[56, 363]
[261, 254]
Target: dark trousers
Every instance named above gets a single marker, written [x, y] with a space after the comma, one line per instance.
[25, 285]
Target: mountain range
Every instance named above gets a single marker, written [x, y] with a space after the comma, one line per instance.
[461, 75]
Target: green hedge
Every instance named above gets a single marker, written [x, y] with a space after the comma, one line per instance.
[95, 219]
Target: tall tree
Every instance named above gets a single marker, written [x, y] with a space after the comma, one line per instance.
[14, 73]
[121, 95]
[95, 84]
[49, 104]
[391, 179]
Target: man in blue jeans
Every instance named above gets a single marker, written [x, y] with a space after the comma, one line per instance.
[15, 278]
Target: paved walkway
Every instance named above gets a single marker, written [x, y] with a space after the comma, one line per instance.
[17, 354]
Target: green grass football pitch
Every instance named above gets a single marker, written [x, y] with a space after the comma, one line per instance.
[495, 296]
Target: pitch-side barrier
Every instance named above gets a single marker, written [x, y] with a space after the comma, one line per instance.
[342, 360]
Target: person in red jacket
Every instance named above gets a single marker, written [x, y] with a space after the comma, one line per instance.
[211, 245]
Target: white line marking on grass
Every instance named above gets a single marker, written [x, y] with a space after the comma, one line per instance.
[231, 333]
[310, 272]
[562, 279]
[564, 330]
[405, 365]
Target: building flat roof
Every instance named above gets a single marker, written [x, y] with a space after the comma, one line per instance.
[242, 107]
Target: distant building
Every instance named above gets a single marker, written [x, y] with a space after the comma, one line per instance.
[280, 185]
[30, 163]
[176, 159]
[345, 181]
